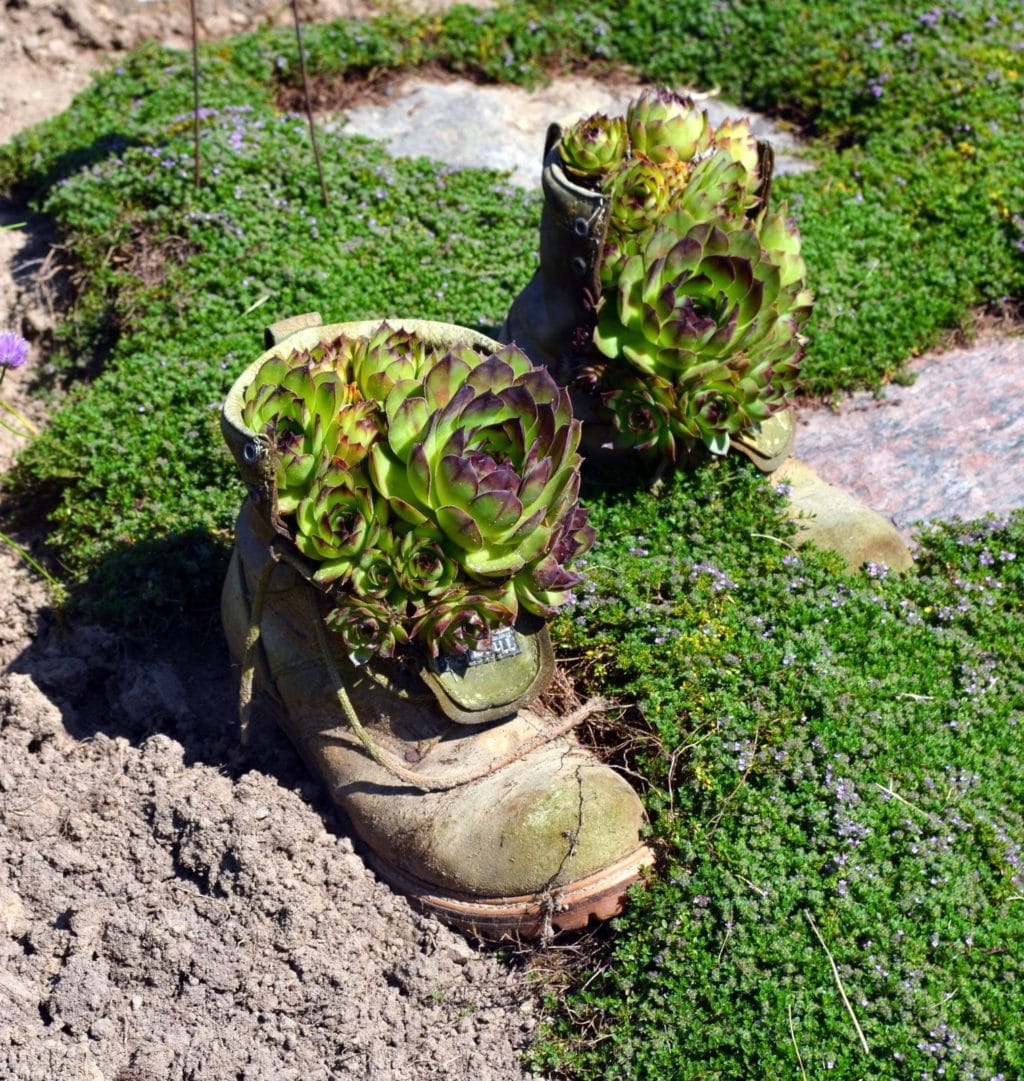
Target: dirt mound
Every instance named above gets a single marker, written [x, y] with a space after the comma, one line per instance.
[172, 909]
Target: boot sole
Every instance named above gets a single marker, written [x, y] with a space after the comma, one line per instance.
[532, 916]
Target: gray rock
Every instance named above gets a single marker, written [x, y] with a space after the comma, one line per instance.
[503, 127]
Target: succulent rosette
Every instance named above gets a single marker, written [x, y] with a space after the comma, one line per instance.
[338, 520]
[483, 456]
[664, 125]
[703, 292]
[718, 187]
[375, 574]
[641, 193]
[299, 409]
[432, 492]
[463, 619]
[642, 411]
[367, 627]
[422, 566]
[388, 357]
[594, 146]
[704, 309]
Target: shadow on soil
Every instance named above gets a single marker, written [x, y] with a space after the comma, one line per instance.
[129, 658]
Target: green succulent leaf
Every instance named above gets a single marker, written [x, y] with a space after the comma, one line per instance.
[460, 528]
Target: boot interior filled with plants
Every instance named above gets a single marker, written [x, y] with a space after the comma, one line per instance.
[826, 748]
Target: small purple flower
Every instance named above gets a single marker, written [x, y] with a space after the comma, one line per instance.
[13, 350]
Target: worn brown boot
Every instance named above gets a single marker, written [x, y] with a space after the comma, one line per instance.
[553, 315]
[473, 800]
[544, 838]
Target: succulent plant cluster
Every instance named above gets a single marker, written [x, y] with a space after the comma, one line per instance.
[703, 295]
[434, 490]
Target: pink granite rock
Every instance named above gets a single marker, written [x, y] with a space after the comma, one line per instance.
[951, 445]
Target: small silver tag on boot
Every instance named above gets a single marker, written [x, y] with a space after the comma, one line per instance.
[503, 644]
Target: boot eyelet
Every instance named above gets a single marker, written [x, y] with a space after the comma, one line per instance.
[581, 227]
[578, 266]
[252, 452]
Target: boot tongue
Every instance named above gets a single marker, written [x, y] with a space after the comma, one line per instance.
[484, 685]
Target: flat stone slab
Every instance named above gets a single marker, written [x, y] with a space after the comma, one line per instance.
[503, 127]
[949, 446]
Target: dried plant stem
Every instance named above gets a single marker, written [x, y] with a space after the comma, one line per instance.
[55, 586]
[309, 103]
[890, 791]
[792, 1036]
[839, 983]
[195, 92]
[778, 540]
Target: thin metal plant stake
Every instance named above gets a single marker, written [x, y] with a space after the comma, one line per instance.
[309, 104]
[195, 91]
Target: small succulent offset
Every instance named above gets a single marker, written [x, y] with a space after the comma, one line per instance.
[595, 146]
[703, 294]
[434, 491]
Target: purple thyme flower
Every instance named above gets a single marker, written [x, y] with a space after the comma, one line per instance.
[13, 350]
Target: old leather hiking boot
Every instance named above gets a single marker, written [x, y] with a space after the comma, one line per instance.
[541, 844]
[554, 313]
[472, 799]
[555, 309]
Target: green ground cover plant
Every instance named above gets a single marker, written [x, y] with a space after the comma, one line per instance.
[830, 760]
[833, 769]
[181, 281]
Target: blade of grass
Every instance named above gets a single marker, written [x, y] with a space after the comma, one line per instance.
[55, 585]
